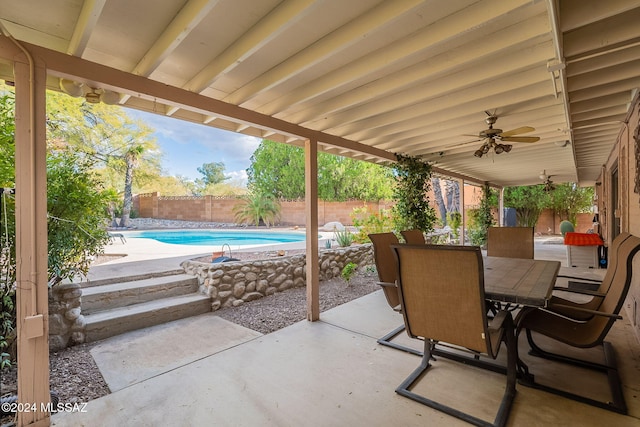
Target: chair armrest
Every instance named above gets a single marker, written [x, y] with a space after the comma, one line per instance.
[579, 291]
[387, 284]
[580, 278]
[584, 310]
[498, 320]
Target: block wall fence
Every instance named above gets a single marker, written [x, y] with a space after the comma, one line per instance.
[220, 209]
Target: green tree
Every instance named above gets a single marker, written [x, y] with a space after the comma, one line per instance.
[413, 182]
[568, 200]
[528, 201]
[76, 208]
[213, 173]
[126, 148]
[278, 169]
[7, 230]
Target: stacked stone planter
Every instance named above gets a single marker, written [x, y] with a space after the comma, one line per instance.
[66, 324]
[231, 284]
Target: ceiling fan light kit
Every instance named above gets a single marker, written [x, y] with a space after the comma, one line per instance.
[497, 148]
[71, 88]
[491, 135]
[546, 181]
[91, 95]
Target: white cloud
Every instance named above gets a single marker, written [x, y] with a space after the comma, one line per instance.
[186, 146]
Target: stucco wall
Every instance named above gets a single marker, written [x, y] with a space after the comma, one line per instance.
[220, 209]
[624, 158]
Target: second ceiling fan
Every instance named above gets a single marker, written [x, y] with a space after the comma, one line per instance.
[491, 135]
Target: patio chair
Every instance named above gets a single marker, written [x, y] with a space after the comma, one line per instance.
[586, 334]
[386, 266]
[510, 242]
[413, 237]
[441, 292]
[564, 306]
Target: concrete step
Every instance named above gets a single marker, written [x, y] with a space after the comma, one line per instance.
[124, 275]
[108, 323]
[106, 297]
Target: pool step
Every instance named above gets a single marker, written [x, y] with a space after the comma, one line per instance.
[116, 308]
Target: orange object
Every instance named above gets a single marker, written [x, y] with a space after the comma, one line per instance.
[582, 239]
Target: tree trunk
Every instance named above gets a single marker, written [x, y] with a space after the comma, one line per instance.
[128, 184]
[453, 196]
[437, 193]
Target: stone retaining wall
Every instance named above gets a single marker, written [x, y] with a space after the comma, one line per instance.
[227, 285]
[66, 323]
[231, 284]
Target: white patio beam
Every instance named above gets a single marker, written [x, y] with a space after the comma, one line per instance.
[338, 40]
[180, 27]
[91, 10]
[62, 65]
[184, 22]
[285, 15]
[378, 60]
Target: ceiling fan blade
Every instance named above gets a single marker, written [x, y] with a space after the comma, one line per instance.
[518, 131]
[521, 139]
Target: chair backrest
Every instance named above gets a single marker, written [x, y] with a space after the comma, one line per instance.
[385, 263]
[614, 254]
[510, 242]
[413, 237]
[442, 294]
[593, 331]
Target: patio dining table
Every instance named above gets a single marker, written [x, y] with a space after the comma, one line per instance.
[519, 281]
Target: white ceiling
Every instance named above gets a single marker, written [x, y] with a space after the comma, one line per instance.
[403, 76]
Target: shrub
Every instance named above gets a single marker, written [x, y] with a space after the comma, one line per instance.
[348, 271]
[369, 222]
[256, 207]
[344, 238]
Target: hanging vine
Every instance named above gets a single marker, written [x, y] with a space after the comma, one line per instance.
[413, 182]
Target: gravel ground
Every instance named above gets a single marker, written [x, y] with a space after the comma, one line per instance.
[76, 378]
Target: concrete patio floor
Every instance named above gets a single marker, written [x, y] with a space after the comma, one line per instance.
[327, 373]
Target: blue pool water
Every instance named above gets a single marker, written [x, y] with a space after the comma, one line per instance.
[217, 237]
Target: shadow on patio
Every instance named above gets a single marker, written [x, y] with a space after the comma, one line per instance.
[332, 372]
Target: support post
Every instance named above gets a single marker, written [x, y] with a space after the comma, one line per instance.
[463, 215]
[31, 242]
[501, 218]
[311, 216]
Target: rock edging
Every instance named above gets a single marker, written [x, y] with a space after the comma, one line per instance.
[231, 284]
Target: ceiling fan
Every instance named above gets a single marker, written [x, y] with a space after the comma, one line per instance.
[546, 181]
[491, 135]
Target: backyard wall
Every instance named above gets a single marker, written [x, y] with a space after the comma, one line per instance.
[220, 209]
[549, 223]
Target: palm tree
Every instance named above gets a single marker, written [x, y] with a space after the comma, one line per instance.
[131, 158]
[257, 206]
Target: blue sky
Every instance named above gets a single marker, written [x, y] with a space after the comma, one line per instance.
[187, 146]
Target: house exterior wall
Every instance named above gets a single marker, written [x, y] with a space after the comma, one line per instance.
[626, 158]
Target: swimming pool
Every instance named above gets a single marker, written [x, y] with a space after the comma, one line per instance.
[217, 237]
